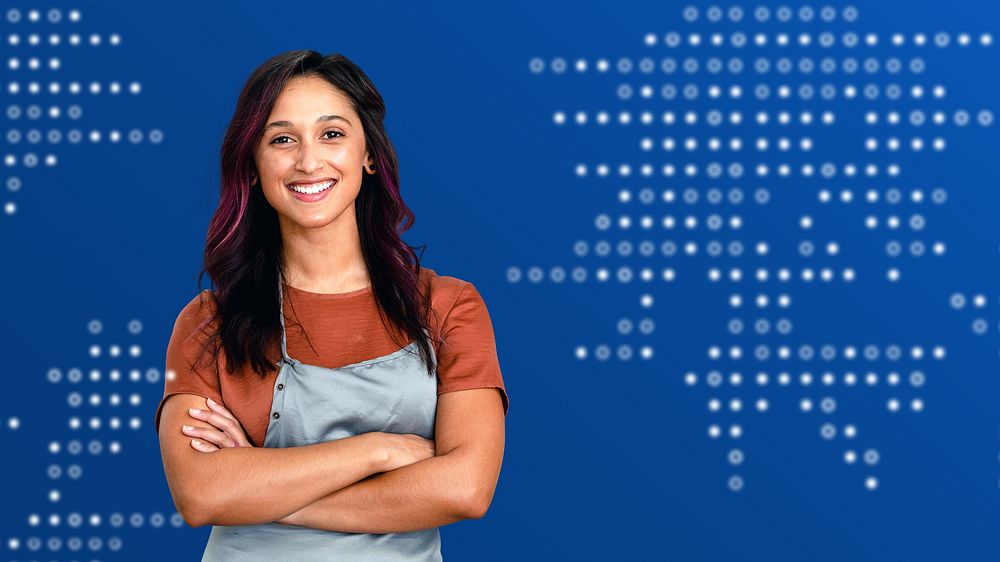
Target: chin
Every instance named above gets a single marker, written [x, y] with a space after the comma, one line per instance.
[318, 218]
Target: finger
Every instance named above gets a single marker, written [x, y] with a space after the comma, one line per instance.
[229, 426]
[220, 409]
[203, 446]
[218, 420]
[213, 436]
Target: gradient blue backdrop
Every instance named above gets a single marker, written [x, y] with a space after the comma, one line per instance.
[605, 460]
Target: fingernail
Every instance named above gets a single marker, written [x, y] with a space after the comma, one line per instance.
[210, 401]
[186, 427]
[194, 410]
[196, 442]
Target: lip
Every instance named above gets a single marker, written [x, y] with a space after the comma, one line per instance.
[309, 198]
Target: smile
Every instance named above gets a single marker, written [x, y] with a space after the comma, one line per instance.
[312, 188]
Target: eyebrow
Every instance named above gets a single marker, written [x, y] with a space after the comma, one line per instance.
[319, 119]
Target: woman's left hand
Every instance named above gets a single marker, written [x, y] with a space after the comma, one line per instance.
[227, 433]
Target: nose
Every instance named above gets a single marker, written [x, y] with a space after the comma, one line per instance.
[307, 162]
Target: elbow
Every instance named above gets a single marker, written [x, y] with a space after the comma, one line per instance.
[195, 513]
[477, 503]
[195, 518]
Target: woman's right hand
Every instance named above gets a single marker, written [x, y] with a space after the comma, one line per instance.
[402, 449]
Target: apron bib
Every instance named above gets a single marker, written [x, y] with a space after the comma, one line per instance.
[312, 404]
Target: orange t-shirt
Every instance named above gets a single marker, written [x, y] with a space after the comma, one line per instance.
[344, 328]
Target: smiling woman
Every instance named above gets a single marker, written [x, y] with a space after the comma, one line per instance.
[360, 444]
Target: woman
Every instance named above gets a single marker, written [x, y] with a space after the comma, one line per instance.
[337, 440]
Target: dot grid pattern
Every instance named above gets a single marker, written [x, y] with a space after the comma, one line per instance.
[73, 532]
[50, 532]
[747, 65]
[28, 34]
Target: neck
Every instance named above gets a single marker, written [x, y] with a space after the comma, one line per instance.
[325, 260]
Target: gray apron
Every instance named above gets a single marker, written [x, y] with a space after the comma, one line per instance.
[311, 404]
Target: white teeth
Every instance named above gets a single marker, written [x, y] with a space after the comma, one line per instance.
[312, 188]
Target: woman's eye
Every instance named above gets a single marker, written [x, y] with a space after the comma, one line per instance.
[275, 141]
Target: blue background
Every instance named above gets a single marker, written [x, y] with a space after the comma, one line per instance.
[604, 459]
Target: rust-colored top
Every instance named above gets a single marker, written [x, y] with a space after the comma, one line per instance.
[343, 328]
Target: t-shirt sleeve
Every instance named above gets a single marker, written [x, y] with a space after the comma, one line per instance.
[187, 370]
[468, 356]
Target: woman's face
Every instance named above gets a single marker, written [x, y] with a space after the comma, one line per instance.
[312, 135]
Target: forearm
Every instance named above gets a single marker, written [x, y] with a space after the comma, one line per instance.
[264, 484]
[429, 493]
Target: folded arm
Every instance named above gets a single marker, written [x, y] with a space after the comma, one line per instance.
[248, 486]
[458, 483]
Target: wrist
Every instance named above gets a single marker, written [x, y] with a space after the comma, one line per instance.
[378, 453]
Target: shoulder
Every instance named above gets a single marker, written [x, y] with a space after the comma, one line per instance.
[457, 304]
[445, 291]
[199, 307]
[198, 313]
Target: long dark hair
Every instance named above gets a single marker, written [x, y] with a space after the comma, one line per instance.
[243, 250]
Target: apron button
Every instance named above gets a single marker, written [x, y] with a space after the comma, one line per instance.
[280, 386]
[277, 415]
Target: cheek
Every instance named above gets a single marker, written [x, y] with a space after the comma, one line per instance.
[341, 158]
[276, 163]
